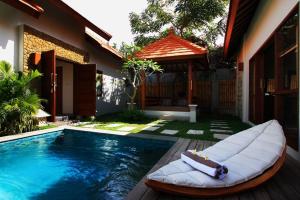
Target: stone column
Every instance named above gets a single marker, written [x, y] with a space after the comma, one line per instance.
[193, 113]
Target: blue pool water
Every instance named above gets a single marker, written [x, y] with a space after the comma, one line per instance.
[79, 165]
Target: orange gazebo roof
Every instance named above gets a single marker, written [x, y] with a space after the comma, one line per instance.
[171, 47]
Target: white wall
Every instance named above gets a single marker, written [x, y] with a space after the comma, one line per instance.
[113, 98]
[61, 26]
[67, 87]
[268, 16]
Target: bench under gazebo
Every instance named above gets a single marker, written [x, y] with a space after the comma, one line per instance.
[172, 93]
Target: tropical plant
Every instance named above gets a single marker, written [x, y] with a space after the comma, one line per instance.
[136, 70]
[18, 102]
[204, 18]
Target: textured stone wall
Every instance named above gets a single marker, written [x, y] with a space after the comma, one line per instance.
[36, 41]
[239, 92]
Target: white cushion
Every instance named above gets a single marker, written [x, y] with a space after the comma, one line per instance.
[247, 154]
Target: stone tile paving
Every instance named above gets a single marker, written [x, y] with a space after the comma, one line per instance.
[219, 127]
[219, 124]
[169, 132]
[220, 131]
[126, 128]
[220, 136]
[195, 132]
[150, 128]
[153, 124]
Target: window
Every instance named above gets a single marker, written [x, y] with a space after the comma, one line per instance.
[287, 52]
[99, 83]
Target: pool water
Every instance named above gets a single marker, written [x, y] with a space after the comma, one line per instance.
[75, 165]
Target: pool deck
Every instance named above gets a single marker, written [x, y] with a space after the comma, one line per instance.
[284, 185]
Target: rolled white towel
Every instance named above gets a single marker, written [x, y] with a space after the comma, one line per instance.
[205, 165]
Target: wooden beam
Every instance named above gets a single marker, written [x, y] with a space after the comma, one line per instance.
[230, 24]
[190, 82]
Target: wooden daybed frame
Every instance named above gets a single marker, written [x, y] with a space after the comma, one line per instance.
[217, 192]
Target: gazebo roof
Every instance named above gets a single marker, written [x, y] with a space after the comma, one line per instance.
[171, 47]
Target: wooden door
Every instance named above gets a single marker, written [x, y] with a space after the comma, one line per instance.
[49, 82]
[85, 89]
[256, 90]
[59, 90]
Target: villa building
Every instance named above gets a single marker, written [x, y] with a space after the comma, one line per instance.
[263, 38]
[80, 70]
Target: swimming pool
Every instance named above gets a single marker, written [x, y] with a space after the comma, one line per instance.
[72, 164]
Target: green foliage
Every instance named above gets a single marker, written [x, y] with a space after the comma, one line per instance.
[18, 102]
[136, 70]
[206, 18]
[132, 115]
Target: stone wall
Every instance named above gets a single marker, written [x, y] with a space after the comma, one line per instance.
[239, 92]
[36, 41]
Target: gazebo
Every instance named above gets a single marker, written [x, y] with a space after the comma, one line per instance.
[171, 93]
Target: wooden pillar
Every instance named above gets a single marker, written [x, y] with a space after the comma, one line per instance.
[143, 91]
[190, 82]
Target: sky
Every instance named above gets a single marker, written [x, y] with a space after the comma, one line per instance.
[110, 15]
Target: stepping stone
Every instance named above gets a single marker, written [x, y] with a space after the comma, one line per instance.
[169, 132]
[195, 132]
[219, 127]
[126, 128]
[150, 128]
[220, 131]
[221, 136]
[113, 125]
[219, 124]
[164, 121]
[152, 124]
[89, 126]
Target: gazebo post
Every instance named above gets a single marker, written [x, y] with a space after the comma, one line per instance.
[143, 91]
[190, 82]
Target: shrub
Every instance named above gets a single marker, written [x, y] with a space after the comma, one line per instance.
[133, 115]
[18, 102]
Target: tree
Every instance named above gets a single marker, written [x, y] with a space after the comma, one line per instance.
[205, 18]
[136, 70]
[18, 102]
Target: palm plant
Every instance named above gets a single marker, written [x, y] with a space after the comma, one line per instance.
[18, 102]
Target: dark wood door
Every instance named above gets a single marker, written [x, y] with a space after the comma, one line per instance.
[256, 90]
[85, 89]
[49, 82]
[59, 90]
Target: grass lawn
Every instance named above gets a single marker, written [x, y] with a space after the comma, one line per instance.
[203, 124]
[47, 126]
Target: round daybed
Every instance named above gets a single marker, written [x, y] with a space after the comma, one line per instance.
[252, 156]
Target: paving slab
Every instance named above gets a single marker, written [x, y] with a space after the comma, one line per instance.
[219, 127]
[89, 126]
[220, 131]
[113, 125]
[169, 132]
[220, 136]
[150, 128]
[195, 132]
[153, 124]
[219, 124]
[126, 128]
